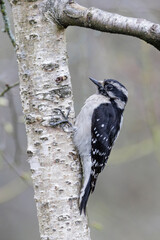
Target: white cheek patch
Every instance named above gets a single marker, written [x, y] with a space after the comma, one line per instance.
[124, 90]
[120, 104]
[111, 95]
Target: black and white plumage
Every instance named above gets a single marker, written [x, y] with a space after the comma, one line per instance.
[96, 129]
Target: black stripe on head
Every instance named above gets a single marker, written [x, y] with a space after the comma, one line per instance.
[115, 90]
[112, 81]
[121, 95]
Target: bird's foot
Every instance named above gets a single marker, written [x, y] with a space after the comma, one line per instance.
[63, 122]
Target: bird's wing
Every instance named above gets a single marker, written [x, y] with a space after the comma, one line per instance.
[104, 131]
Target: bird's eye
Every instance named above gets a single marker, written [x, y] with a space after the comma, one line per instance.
[109, 87]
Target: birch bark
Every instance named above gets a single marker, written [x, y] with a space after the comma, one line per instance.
[45, 84]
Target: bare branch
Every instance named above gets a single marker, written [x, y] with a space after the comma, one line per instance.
[8, 87]
[73, 14]
[6, 22]
[22, 176]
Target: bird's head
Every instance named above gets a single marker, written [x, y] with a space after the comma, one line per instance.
[112, 89]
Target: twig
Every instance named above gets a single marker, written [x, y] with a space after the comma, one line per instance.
[8, 87]
[72, 14]
[20, 175]
[14, 121]
[6, 22]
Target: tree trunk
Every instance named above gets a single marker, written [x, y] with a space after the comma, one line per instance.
[44, 86]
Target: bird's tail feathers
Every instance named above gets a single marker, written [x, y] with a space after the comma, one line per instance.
[93, 182]
[84, 196]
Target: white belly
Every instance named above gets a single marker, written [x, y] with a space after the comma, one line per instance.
[82, 135]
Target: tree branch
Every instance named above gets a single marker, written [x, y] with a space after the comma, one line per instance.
[22, 176]
[8, 87]
[73, 14]
[6, 22]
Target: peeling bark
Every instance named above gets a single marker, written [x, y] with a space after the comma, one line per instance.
[45, 85]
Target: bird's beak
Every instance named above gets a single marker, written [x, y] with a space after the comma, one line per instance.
[96, 82]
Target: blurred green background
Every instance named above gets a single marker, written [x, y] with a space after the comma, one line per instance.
[126, 202]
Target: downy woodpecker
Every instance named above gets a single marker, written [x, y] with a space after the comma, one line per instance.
[96, 129]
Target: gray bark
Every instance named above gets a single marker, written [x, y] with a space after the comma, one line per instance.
[72, 14]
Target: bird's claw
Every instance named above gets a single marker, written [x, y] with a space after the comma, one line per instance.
[64, 120]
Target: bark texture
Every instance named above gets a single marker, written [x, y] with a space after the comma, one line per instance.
[44, 86]
[75, 15]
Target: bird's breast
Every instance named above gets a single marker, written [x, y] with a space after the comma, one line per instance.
[82, 135]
